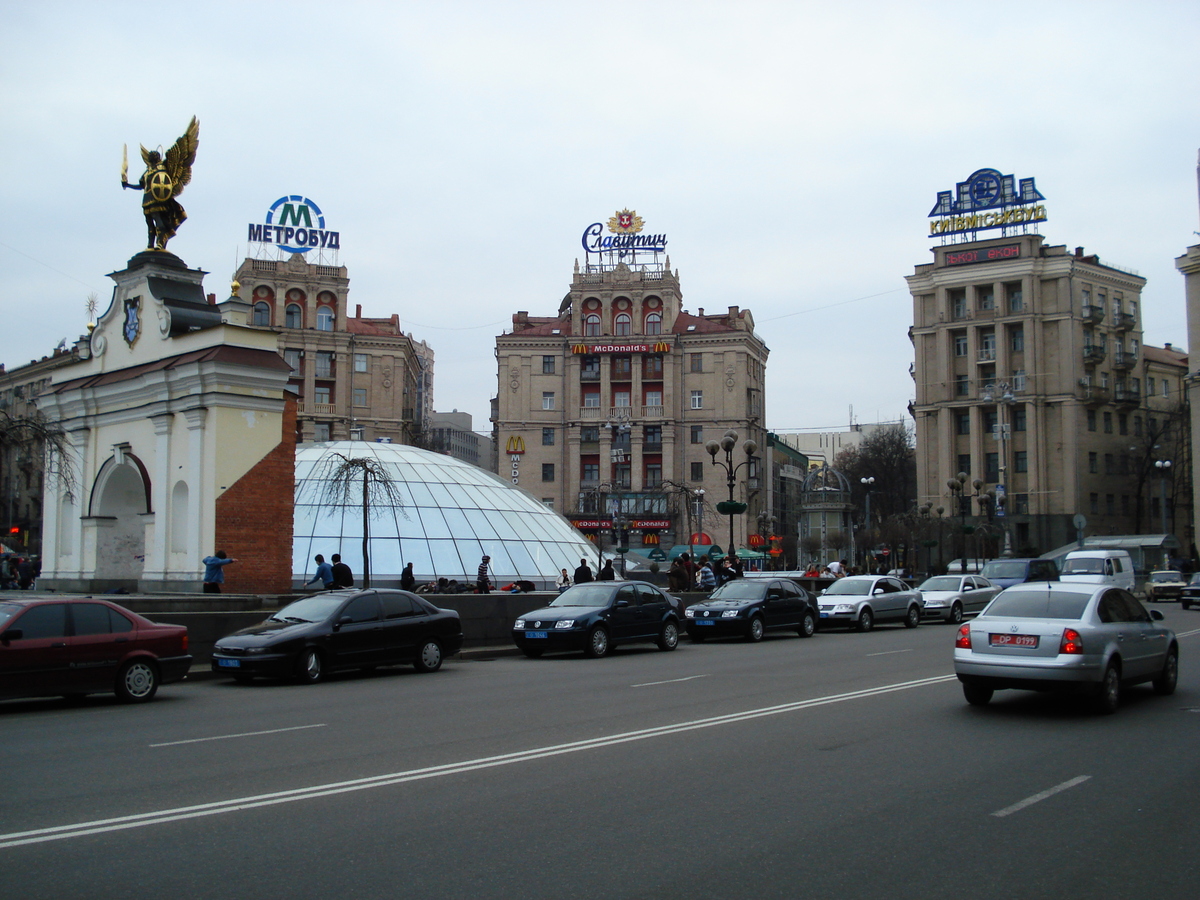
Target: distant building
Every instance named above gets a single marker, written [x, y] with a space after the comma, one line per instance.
[450, 433]
[826, 445]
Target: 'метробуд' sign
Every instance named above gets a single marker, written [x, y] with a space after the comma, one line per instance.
[300, 227]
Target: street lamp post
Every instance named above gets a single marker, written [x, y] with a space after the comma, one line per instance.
[727, 443]
[1002, 432]
[1164, 468]
[867, 481]
[698, 499]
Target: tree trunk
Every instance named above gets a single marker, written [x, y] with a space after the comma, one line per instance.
[366, 530]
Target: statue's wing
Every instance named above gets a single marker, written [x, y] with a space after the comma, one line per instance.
[181, 156]
[145, 156]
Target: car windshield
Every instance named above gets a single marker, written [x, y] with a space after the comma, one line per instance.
[317, 608]
[1004, 569]
[584, 595]
[1195, 579]
[940, 583]
[1159, 577]
[1037, 604]
[847, 586]
[7, 611]
[737, 590]
[1086, 565]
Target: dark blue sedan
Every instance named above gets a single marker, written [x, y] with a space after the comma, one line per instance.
[748, 607]
[596, 617]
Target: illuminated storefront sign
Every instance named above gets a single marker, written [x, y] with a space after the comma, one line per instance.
[300, 227]
[606, 524]
[984, 254]
[624, 236]
[514, 449]
[657, 347]
[984, 201]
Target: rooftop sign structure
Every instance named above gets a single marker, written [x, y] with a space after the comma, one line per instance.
[985, 201]
[295, 224]
[623, 242]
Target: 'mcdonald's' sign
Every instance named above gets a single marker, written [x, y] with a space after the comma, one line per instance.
[297, 225]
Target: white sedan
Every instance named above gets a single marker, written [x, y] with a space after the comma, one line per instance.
[950, 597]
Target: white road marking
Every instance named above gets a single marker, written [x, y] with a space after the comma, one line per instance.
[140, 820]
[226, 737]
[1037, 798]
[1180, 634]
[889, 652]
[670, 681]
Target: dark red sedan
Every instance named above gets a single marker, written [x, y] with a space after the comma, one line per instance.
[71, 646]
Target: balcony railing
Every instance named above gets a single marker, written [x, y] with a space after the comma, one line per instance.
[652, 412]
[1127, 395]
[1124, 321]
[1124, 359]
[987, 354]
[318, 409]
[589, 375]
[1094, 353]
[1091, 313]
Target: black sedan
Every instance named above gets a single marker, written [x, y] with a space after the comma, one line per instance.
[595, 617]
[341, 630]
[748, 607]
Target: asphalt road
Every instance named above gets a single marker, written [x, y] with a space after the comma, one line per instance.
[843, 766]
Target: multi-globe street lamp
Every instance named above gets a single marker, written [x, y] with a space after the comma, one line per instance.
[727, 443]
[1164, 469]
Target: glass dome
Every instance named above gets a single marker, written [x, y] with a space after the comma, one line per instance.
[453, 513]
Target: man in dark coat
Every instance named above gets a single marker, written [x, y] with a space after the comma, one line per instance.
[342, 576]
[584, 573]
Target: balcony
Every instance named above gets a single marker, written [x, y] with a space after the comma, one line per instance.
[652, 447]
[986, 355]
[1094, 395]
[1124, 321]
[318, 409]
[652, 412]
[1124, 359]
[1094, 353]
[1092, 313]
[591, 412]
[1127, 395]
[589, 375]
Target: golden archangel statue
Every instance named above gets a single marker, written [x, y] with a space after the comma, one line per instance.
[163, 181]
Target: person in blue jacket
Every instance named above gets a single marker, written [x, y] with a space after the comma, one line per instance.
[324, 573]
[214, 572]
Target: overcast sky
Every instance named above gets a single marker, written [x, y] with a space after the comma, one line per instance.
[790, 152]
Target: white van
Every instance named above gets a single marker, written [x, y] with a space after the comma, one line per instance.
[1113, 567]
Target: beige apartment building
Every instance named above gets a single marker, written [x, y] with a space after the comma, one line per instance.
[357, 377]
[1031, 377]
[604, 409]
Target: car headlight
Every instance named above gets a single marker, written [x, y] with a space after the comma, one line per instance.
[929, 604]
[729, 614]
[564, 623]
[520, 623]
[844, 607]
[252, 650]
[690, 613]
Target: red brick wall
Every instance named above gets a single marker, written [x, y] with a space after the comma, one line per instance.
[254, 519]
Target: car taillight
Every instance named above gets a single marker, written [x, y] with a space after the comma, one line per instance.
[185, 642]
[963, 641]
[1071, 642]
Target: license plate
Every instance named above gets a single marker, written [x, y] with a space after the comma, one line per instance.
[230, 663]
[1013, 640]
[824, 615]
[529, 635]
[704, 622]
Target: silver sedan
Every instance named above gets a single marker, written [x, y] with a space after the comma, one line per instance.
[1051, 635]
[950, 597]
[862, 600]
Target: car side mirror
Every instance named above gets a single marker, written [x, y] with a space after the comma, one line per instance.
[344, 620]
[877, 590]
[621, 604]
[1156, 615]
[15, 634]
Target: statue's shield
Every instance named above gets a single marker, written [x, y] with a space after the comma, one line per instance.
[161, 186]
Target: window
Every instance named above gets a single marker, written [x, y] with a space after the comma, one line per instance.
[697, 399]
[360, 396]
[653, 477]
[1150, 386]
[990, 420]
[962, 422]
[590, 368]
[1021, 507]
[547, 399]
[654, 323]
[293, 317]
[958, 302]
[697, 471]
[262, 313]
[1122, 423]
[621, 476]
[320, 432]
[547, 365]
[1018, 418]
[321, 394]
[1016, 338]
[1123, 464]
[1110, 464]
[962, 385]
[964, 463]
[292, 358]
[589, 434]
[40, 622]
[697, 434]
[1018, 378]
[1094, 503]
[324, 318]
[1165, 390]
[696, 362]
[548, 502]
[623, 325]
[622, 368]
[1016, 297]
[324, 364]
[360, 362]
[591, 325]
[621, 398]
[547, 471]
[652, 436]
[1091, 420]
[547, 437]
[654, 398]
[960, 343]
[1110, 504]
[652, 367]
[991, 467]
[95, 618]
[591, 471]
[1108, 423]
[987, 297]
[1093, 462]
[591, 399]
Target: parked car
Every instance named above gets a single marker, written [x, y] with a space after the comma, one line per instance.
[84, 645]
[1007, 572]
[1165, 585]
[950, 597]
[597, 616]
[1190, 595]
[1057, 636]
[1112, 567]
[345, 629]
[749, 607]
[859, 601]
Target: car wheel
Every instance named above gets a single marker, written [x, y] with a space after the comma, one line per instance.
[137, 681]
[597, 642]
[865, 621]
[956, 614]
[808, 625]
[669, 638]
[1164, 682]
[310, 668]
[429, 657]
[533, 652]
[1108, 692]
[977, 694]
[913, 619]
[755, 629]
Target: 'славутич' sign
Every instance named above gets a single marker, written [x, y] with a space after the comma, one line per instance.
[297, 225]
[986, 200]
[625, 235]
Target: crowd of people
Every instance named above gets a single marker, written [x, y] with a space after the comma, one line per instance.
[17, 573]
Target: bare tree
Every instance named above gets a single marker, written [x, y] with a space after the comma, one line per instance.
[348, 481]
[887, 455]
[32, 446]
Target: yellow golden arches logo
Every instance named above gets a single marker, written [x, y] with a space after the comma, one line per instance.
[662, 347]
[516, 445]
[579, 348]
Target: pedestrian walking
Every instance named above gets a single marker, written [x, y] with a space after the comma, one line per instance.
[584, 573]
[483, 584]
[607, 573]
[324, 574]
[214, 571]
[342, 576]
[408, 580]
